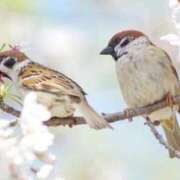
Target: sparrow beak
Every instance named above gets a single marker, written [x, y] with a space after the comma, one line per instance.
[4, 75]
[107, 51]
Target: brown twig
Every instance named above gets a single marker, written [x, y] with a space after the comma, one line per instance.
[8, 109]
[161, 140]
[112, 117]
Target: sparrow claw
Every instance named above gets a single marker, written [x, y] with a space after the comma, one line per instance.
[128, 112]
[169, 100]
[71, 122]
[147, 119]
[66, 121]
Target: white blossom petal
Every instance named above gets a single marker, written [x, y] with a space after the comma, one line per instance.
[172, 38]
[44, 171]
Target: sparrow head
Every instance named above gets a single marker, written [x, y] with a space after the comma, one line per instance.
[8, 60]
[122, 42]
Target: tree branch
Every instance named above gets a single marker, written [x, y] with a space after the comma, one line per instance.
[161, 140]
[112, 117]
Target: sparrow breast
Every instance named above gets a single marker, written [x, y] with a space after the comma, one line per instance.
[146, 76]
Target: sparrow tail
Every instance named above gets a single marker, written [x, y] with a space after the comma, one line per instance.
[93, 119]
[172, 132]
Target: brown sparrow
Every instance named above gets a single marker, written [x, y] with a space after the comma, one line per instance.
[61, 95]
[146, 75]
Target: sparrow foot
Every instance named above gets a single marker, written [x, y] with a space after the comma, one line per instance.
[129, 113]
[63, 121]
[169, 100]
[71, 122]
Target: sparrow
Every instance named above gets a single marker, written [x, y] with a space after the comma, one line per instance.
[146, 75]
[60, 94]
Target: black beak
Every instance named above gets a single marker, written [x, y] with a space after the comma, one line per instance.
[107, 51]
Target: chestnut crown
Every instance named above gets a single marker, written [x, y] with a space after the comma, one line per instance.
[13, 53]
[122, 38]
[8, 60]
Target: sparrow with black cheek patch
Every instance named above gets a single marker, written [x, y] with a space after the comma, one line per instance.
[146, 75]
[61, 95]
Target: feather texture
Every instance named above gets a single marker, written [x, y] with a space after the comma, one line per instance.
[56, 91]
[39, 78]
[59, 93]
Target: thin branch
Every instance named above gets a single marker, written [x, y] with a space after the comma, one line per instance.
[112, 117]
[161, 140]
[8, 109]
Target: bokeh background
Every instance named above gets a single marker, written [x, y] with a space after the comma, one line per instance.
[68, 35]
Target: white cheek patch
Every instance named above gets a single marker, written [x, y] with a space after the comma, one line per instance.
[118, 49]
[17, 68]
[133, 47]
[4, 69]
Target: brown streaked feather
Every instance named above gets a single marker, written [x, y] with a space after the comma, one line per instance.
[173, 71]
[40, 78]
[172, 66]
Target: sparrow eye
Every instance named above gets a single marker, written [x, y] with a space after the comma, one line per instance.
[10, 62]
[125, 42]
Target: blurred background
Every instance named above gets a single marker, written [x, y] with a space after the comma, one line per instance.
[68, 35]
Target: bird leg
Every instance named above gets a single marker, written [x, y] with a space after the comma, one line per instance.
[72, 122]
[169, 100]
[129, 112]
[56, 121]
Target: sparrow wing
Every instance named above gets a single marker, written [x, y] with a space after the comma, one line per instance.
[40, 78]
[164, 62]
[162, 58]
[171, 65]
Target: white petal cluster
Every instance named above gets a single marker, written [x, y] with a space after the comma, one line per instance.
[36, 136]
[174, 39]
[27, 151]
